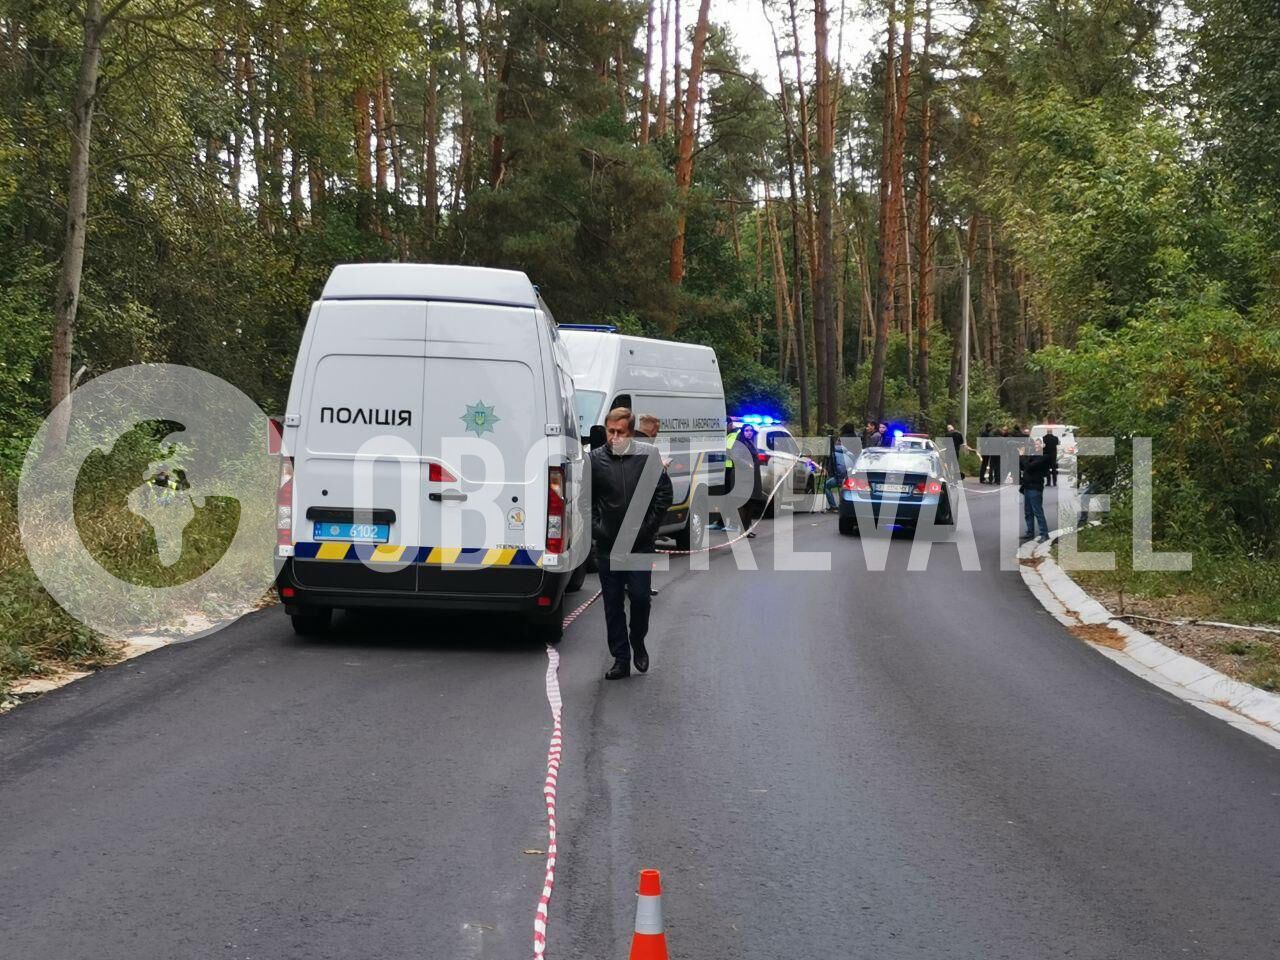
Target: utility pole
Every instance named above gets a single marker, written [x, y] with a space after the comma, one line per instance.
[964, 364]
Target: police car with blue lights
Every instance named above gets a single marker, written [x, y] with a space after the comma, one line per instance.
[783, 465]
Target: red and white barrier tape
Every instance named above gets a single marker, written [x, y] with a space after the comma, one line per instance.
[549, 785]
[745, 533]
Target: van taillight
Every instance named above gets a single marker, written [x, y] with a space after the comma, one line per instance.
[555, 510]
[284, 504]
[436, 473]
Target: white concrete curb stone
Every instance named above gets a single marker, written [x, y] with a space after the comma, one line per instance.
[1242, 705]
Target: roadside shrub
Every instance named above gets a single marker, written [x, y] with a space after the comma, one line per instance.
[1203, 381]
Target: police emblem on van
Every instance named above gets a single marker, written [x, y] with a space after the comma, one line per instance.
[479, 419]
[375, 416]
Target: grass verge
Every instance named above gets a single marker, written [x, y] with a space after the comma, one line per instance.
[1231, 587]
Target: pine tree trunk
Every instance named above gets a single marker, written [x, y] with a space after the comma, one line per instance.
[315, 172]
[684, 160]
[380, 153]
[888, 240]
[241, 81]
[646, 86]
[824, 313]
[661, 130]
[991, 304]
[797, 234]
[810, 226]
[898, 159]
[259, 146]
[905, 296]
[924, 302]
[677, 98]
[782, 300]
[364, 175]
[463, 171]
[67, 303]
[497, 160]
[430, 186]
[620, 80]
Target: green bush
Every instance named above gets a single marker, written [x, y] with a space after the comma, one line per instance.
[1203, 381]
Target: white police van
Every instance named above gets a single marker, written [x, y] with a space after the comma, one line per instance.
[679, 383]
[431, 449]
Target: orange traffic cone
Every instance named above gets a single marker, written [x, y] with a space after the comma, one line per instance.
[649, 942]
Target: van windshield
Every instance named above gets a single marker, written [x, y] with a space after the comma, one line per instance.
[588, 404]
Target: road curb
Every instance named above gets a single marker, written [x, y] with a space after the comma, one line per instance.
[1244, 706]
[28, 688]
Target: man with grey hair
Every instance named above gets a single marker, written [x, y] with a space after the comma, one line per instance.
[617, 475]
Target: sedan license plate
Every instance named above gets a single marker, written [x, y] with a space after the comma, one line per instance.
[352, 532]
[893, 488]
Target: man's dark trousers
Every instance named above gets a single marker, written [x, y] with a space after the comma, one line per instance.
[614, 585]
[1033, 510]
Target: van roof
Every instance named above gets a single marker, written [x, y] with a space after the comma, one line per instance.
[429, 281]
[676, 354]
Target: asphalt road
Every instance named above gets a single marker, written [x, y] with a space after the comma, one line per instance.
[853, 763]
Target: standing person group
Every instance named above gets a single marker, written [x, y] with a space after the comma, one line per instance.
[991, 471]
[876, 435]
[617, 471]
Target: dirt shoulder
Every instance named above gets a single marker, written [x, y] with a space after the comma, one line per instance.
[1246, 655]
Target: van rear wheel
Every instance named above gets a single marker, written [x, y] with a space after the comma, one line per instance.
[313, 622]
[576, 579]
[547, 631]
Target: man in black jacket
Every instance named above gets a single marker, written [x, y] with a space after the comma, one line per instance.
[1034, 468]
[617, 475]
[1051, 454]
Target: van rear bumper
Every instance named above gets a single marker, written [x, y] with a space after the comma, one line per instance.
[320, 583]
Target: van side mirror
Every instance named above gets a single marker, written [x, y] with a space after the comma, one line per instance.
[598, 438]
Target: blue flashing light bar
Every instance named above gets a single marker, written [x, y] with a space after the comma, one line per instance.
[596, 327]
[758, 419]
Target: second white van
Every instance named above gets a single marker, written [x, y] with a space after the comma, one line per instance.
[679, 383]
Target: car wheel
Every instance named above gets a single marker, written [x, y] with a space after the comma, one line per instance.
[577, 578]
[548, 631]
[312, 623]
[946, 517]
[694, 532]
[848, 526]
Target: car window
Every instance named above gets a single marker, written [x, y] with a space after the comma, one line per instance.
[783, 441]
[588, 406]
[882, 459]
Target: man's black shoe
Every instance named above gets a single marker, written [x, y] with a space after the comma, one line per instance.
[640, 656]
[619, 670]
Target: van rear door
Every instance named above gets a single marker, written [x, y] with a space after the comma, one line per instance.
[484, 398]
[361, 421]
